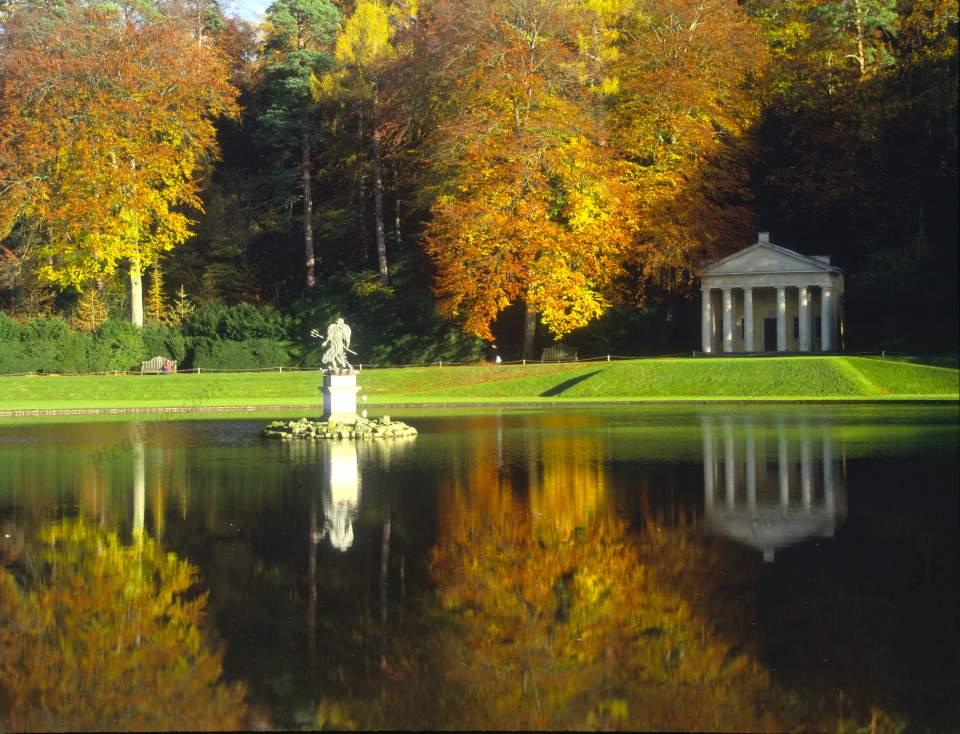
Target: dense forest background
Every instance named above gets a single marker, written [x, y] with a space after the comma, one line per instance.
[447, 175]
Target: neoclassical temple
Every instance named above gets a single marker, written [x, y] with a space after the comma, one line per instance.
[766, 298]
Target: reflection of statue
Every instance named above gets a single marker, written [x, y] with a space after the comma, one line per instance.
[337, 345]
[341, 502]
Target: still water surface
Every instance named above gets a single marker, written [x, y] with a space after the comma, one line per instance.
[719, 568]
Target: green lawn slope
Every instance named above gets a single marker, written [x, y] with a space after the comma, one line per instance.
[722, 379]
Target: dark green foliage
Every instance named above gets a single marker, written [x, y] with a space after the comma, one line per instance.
[42, 345]
[624, 331]
[117, 345]
[163, 341]
[51, 346]
[226, 354]
[9, 330]
[244, 321]
[391, 325]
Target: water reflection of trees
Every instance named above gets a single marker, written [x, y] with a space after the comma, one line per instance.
[97, 634]
[556, 618]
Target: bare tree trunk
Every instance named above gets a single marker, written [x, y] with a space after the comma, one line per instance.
[529, 331]
[398, 239]
[378, 204]
[861, 57]
[307, 212]
[136, 294]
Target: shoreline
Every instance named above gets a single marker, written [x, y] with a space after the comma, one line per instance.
[454, 404]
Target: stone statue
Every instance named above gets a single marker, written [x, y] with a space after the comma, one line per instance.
[337, 345]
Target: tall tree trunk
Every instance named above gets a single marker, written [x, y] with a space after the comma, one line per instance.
[136, 294]
[398, 239]
[860, 55]
[308, 250]
[529, 331]
[378, 203]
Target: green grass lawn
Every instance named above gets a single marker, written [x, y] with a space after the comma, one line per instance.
[771, 378]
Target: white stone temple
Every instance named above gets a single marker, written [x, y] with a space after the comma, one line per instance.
[766, 298]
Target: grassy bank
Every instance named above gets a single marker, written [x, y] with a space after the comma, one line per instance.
[773, 378]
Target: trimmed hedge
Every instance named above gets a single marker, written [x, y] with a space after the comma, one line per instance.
[50, 345]
[247, 354]
[390, 327]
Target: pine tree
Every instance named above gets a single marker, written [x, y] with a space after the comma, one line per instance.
[157, 309]
[181, 308]
[91, 311]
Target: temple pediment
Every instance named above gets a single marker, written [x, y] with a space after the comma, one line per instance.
[765, 257]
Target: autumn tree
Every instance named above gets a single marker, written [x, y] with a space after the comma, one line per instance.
[297, 48]
[156, 298]
[364, 48]
[105, 126]
[530, 202]
[682, 104]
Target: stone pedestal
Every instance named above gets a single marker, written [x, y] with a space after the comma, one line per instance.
[340, 398]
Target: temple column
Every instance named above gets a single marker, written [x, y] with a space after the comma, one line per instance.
[706, 322]
[751, 470]
[781, 319]
[826, 319]
[804, 317]
[727, 319]
[806, 471]
[748, 343]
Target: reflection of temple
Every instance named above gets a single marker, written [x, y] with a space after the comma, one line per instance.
[770, 487]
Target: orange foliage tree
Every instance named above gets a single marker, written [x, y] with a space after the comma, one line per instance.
[111, 639]
[530, 203]
[106, 122]
[682, 107]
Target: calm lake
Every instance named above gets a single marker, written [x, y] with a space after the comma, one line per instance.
[667, 567]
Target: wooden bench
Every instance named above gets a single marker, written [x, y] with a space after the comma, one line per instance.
[155, 366]
[559, 352]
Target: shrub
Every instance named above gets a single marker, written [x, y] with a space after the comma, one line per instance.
[163, 341]
[49, 345]
[117, 345]
[204, 321]
[10, 329]
[227, 354]
[240, 322]
[245, 321]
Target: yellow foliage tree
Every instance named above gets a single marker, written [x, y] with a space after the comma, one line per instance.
[532, 204]
[157, 310]
[106, 122]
